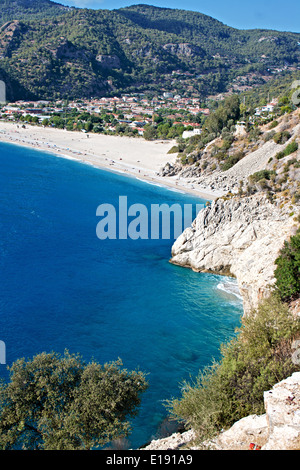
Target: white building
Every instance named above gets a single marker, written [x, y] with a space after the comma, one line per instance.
[188, 134]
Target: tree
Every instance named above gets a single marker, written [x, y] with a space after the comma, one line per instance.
[287, 273]
[150, 132]
[56, 402]
[229, 110]
[57, 121]
[88, 126]
[70, 125]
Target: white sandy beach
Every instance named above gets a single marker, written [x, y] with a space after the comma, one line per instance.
[132, 156]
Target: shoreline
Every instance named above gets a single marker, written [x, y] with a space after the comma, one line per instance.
[129, 156]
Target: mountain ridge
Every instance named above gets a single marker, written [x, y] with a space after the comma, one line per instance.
[49, 50]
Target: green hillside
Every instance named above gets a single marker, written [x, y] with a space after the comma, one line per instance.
[29, 9]
[51, 51]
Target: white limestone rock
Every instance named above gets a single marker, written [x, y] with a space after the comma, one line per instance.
[251, 429]
[173, 442]
[282, 405]
[241, 237]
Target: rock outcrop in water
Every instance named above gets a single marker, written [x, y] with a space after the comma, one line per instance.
[241, 237]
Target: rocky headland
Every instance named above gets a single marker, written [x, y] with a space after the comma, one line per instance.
[239, 237]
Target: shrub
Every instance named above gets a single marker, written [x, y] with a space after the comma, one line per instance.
[226, 144]
[184, 160]
[254, 134]
[228, 139]
[262, 174]
[290, 148]
[195, 139]
[291, 162]
[295, 198]
[221, 155]
[281, 137]
[252, 362]
[263, 184]
[191, 159]
[268, 136]
[174, 149]
[287, 273]
[190, 148]
[279, 155]
[273, 124]
[232, 160]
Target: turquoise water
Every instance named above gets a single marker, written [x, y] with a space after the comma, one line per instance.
[62, 287]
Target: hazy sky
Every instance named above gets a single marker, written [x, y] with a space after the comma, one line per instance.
[267, 14]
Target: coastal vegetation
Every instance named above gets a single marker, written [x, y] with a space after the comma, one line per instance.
[59, 402]
[259, 356]
[279, 86]
[251, 132]
[288, 269]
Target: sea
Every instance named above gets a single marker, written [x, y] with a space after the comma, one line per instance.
[61, 287]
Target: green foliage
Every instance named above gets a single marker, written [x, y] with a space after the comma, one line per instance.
[227, 142]
[281, 137]
[262, 174]
[227, 110]
[278, 86]
[254, 134]
[150, 132]
[57, 122]
[287, 272]
[55, 402]
[30, 9]
[279, 155]
[232, 160]
[290, 148]
[174, 149]
[251, 363]
[269, 135]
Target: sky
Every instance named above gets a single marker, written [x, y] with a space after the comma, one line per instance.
[268, 14]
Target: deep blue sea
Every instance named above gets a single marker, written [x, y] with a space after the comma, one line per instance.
[63, 288]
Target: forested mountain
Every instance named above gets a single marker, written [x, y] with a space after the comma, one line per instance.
[29, 9]
[51, 51]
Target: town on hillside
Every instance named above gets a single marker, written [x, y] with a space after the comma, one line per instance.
[126, 114]
[130, 114]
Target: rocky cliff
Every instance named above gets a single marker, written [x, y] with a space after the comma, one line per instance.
[241, 234]
[241, 237]
[277, 429]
